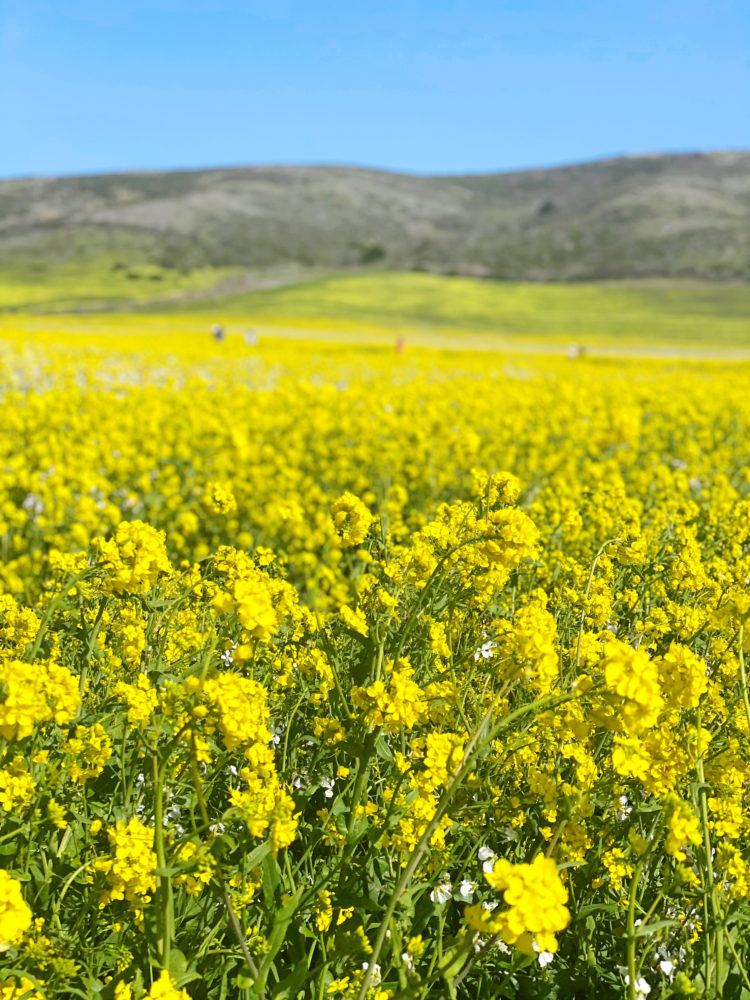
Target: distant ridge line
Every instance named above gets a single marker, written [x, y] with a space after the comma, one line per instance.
[670, 215]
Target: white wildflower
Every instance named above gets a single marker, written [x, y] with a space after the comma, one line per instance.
[441, 893]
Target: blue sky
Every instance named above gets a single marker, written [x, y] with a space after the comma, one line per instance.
[439, 86]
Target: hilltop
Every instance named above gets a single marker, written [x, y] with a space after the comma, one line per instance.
[183, 233]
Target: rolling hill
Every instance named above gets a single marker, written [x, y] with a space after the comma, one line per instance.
[145, 236]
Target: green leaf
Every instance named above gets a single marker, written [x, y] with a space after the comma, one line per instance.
[222, 845]
[382, 749]
[177, 963]
[454, 958]
[612, 908]
[255, 857]
[645, 929]
[288, 987]
[170, 870]
[271, 879]
[281, 922]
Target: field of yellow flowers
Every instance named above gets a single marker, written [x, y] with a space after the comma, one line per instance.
[335, 672]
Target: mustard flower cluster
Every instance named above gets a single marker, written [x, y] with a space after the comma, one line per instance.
[351, 519]
[35, 694]
[219, 499]
[15, 915]
[536, 905]
[396, 703]
[130, 870]
[132, 559]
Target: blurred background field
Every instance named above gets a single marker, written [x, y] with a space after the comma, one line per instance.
[420, 308]
[648, 252]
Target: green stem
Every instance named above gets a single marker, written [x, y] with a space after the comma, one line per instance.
[717, 915]
[594, 564]
[233, 918]
[434, 577]
[743, 677]
[632, 900]
[738, 960]
[90, 647]
[363, 771]
[165, 911]
[363, 764]
[65, 588]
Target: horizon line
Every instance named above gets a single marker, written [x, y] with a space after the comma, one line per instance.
[343, 165]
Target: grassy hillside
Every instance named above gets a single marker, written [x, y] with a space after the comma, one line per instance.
[435, 309]
[657, 313]
[665, 216]
[669, 312]
[102, 283]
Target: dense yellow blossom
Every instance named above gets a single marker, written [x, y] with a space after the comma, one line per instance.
[164, 989]
[263, 803]
[241, 707]
[15, 915]
[630, 674]
[683, 828]
[443, 756]
[130, 870]
[397, 703]
[16, 786]
[133, 558]
[682, 676]
[219, 498]
[359, 672]
[140, 698]
[88, 750]
[351, 519]
[34, 694]
[21, 989]
[536, 899]
[200, 869]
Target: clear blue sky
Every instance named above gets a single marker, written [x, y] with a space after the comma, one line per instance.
[422, 85]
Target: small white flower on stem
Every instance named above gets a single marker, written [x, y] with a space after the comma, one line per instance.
[466, 890]
[276, 733]
[543, 957]
[625, 808]
[375, 971]
[642, 988]
[485, 651]
[488, 858]
[441, 893]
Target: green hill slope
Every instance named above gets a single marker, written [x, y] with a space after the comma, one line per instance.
[657, 216]
[655, 313]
